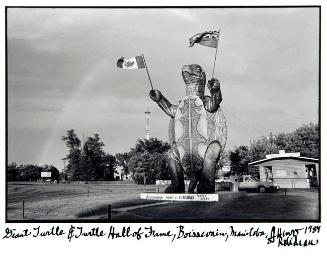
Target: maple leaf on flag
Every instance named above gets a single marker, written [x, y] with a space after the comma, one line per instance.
[131, 63]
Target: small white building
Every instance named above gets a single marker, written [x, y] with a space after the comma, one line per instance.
[289, 170]
[119, 173]
[225, 170]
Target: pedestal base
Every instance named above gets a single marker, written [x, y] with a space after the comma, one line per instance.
[212, 197]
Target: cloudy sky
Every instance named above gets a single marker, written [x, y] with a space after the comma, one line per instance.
[62, 73]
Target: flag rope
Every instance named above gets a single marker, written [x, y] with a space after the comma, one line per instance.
[147, 71]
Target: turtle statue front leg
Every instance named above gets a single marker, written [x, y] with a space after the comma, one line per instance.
[176, 171]
[207, 176]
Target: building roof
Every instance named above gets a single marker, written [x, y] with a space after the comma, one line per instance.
[282, 153]
[299, 158]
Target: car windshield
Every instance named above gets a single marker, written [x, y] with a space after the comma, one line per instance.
[255, 179]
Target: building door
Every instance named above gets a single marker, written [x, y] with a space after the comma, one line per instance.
[311, 175]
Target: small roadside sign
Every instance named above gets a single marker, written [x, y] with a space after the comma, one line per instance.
[45, 174]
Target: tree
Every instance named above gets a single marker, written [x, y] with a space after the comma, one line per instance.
[74, 157]
[140, 167]
[239, 159]
[160, 166]
[98, 165]
[283, 141]
[93, 156]
[90, 162]
[30, 172]
[152, 145]
[147, 160]
[12, 172]
[306, 140]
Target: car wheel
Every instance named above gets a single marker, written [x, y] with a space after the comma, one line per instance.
[262, 189]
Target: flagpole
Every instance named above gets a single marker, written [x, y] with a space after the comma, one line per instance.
[147, 71]
[214, 63]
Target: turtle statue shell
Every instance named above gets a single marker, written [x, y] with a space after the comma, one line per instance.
[193, 129]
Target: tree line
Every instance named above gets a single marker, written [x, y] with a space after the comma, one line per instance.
[146, 161]
[30, 172]
[304, 139]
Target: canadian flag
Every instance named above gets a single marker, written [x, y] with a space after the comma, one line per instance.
[131, 63]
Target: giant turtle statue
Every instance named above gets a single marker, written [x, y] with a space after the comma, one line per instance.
[197, 132]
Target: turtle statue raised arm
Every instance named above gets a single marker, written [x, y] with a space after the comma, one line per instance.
[197, 132]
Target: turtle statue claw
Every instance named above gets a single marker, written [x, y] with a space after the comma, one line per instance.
[197, 132]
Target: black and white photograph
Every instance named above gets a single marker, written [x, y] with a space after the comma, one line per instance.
[108, 111]
[169, 114]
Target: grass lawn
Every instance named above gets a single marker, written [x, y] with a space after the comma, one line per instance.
[69, 201]
[90, 201]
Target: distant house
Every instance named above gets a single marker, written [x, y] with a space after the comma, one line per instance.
[289, 170]
[225, 170]
[119, 173]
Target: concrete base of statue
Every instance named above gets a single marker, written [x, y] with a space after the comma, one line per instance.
[212, 197]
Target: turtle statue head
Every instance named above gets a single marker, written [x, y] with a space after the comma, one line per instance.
[195, 79]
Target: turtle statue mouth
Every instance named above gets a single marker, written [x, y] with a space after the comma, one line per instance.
[193, 69]
[194, 78]
[190, 77]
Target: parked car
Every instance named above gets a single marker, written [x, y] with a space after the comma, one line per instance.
[251, 183]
